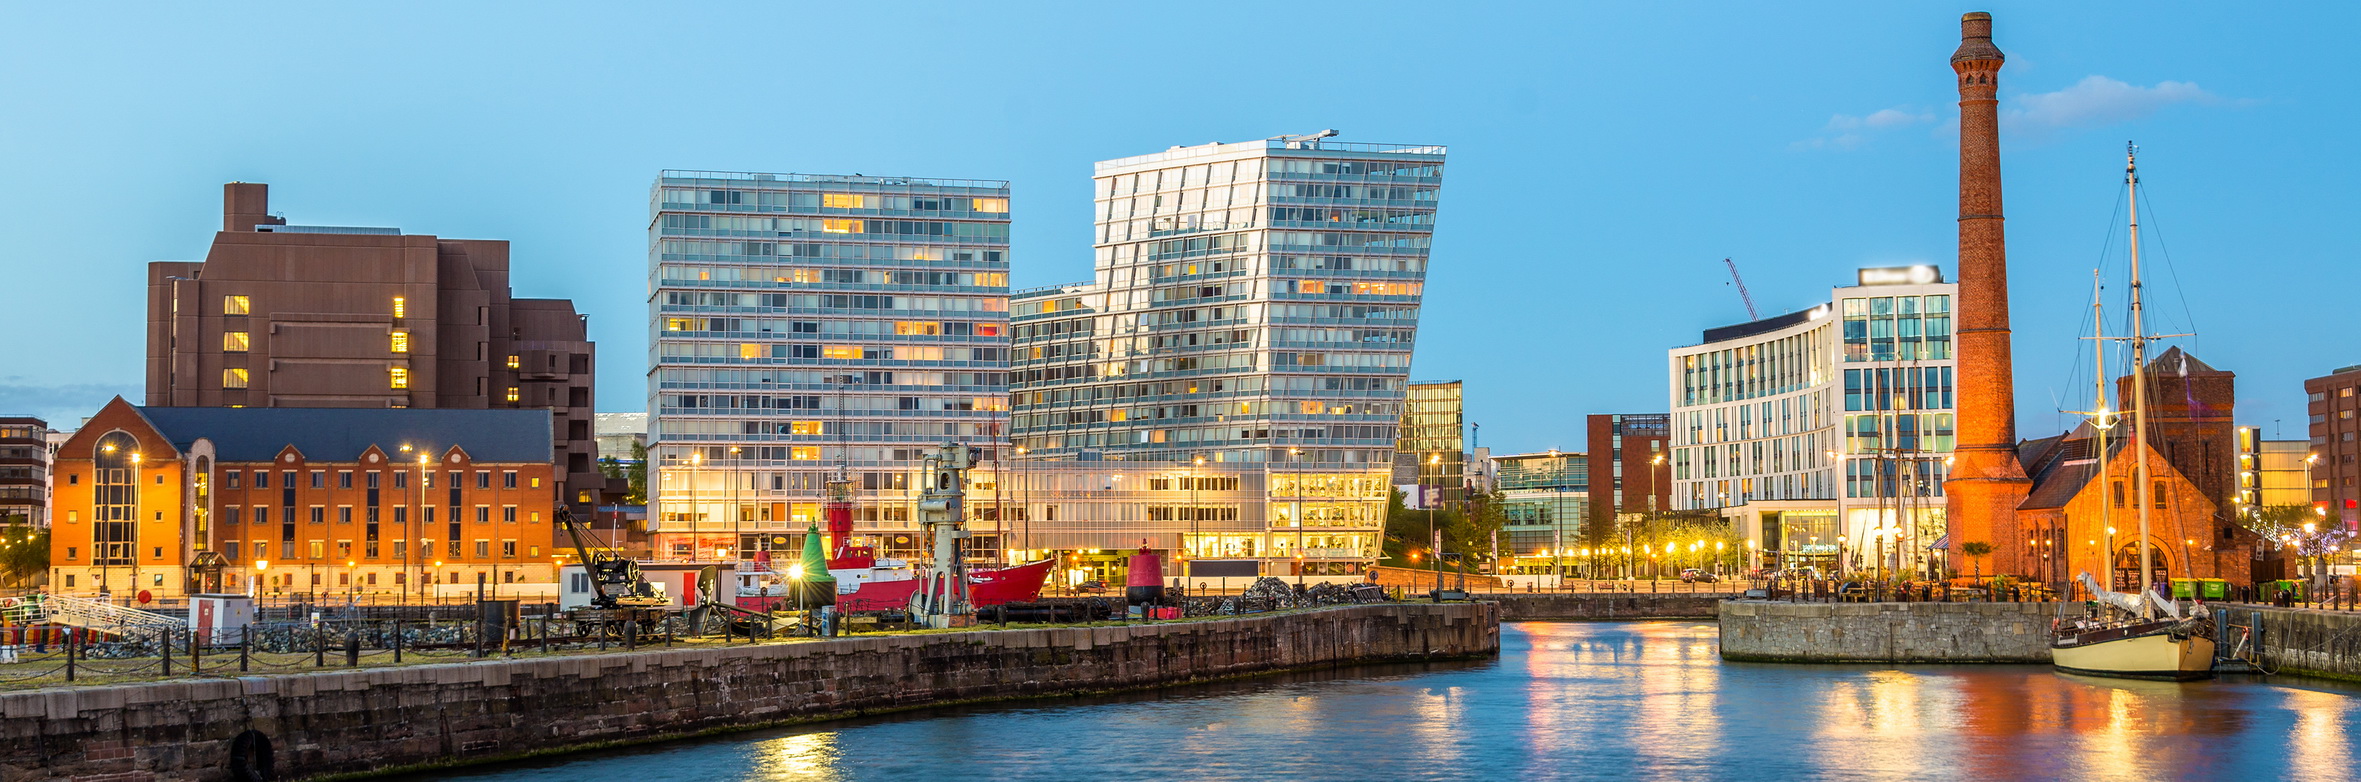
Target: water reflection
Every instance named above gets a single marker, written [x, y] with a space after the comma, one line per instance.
[1649, 700]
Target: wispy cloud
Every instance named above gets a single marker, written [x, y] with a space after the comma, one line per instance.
[63, 406]
[2096, 101]
[1846, 131]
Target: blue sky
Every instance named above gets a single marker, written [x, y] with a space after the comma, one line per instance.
[1604, 158]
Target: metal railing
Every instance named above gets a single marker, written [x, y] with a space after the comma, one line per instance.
[93, 614]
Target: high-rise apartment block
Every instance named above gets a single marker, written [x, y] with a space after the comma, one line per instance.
[1432, 453]
[806, 322]
[2334, 402]
[24, 471]
[281, 315]
[1825, 423]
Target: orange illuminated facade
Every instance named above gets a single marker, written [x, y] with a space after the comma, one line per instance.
[329, 503]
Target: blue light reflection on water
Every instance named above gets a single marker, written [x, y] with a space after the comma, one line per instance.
[1641, 700]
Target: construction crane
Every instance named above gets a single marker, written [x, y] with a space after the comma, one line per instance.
[1742, 294]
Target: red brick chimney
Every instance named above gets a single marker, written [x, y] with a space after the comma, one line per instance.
[1986, 481]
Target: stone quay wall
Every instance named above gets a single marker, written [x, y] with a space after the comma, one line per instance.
[1768, 631]
[1544, 606]
[374, 719]
[2307, 641]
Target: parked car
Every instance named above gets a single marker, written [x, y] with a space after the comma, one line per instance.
[1694, 575]
[1091, 587]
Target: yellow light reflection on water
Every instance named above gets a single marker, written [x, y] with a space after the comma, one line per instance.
[803, 756]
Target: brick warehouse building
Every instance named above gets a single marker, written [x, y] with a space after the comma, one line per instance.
[282, 315]
[321, 502]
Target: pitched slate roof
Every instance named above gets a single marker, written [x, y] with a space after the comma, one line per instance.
[2061, 466]
[256, 434]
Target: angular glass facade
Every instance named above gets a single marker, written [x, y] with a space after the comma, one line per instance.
[800, 322]
[1431, 452]
[1253, 303]
[1254, 307]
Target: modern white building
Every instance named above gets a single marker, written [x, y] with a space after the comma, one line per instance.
[1823, 434]
[1254, 305]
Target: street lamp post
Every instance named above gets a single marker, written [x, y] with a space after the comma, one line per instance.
[1434, 533]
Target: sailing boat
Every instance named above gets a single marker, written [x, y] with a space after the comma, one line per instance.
[2152, 639]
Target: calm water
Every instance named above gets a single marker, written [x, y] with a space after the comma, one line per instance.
[1643, 700]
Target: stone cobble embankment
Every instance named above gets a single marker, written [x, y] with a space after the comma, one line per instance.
[372, 719]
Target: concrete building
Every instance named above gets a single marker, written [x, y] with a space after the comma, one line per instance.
[2271, 472]
[24, 471]
[1254, 305]
[320, 502]
[1430, 451]
[617, 433]
[281, 315]
[1823, 434]
[2334, 404]
[806, 323]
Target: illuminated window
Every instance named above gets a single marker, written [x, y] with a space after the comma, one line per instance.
[512, 393]
[401, 309]
[235, 305]
[841, 226]
[987, 329]
[804, 453]
[991, 204]
[840, 352]
[400, 377]
[750, 350]
[234, 377]
[234, 341]
[803, 427]
[1118, 415]
[841, 201]
[401, 342]
[1311, 286]
[909, 328]
[512, 361]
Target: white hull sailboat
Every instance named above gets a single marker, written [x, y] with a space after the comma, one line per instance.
[2152, 639]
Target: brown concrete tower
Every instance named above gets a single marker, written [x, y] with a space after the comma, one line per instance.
[1986, 481]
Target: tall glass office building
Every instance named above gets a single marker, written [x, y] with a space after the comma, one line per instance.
[800, 322]
[1254, 304]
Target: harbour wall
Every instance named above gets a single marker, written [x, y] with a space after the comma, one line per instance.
[2307, 641]
[1527, 607]
[448, 714]
[1769, 631]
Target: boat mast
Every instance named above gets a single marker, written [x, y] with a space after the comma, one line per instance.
[2098, 420]
[2139, 370]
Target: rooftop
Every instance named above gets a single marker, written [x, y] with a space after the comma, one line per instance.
[256, 434]
[1283, 144]
[761, 179]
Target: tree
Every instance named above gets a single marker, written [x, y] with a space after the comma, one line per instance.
[637, 471]
[1976, 550]
[24, 554]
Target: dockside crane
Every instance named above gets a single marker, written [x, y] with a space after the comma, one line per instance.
[615, 580]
